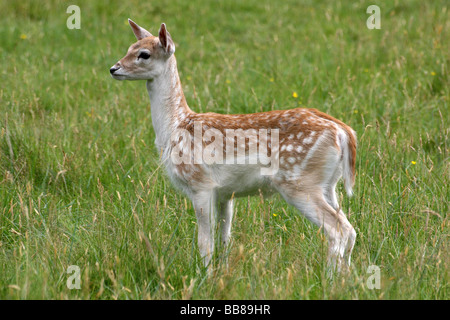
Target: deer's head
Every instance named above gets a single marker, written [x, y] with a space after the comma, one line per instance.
[147, 58]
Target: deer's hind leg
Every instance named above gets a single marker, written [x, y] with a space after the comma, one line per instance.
[311, 202]
[329, 193]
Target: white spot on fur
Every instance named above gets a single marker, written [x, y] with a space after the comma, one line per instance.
[308, 140]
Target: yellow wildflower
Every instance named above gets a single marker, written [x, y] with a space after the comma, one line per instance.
[294, 94]
[23, 36]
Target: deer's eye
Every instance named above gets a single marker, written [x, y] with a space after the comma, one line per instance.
[144, 55]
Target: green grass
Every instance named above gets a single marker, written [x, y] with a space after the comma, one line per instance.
[80, 181]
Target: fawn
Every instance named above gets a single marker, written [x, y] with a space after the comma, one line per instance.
[308, 152]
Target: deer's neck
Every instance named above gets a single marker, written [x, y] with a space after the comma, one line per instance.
[167, 102]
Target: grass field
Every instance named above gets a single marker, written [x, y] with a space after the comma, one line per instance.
[80, 181]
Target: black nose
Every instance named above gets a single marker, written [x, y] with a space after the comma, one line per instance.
[113, 69]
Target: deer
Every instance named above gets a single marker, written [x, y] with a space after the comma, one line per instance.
[307, 153]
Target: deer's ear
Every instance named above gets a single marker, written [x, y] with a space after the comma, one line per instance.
[166, 40]
[138, 31]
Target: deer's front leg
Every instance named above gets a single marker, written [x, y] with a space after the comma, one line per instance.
[205, 210]
[225, 218]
